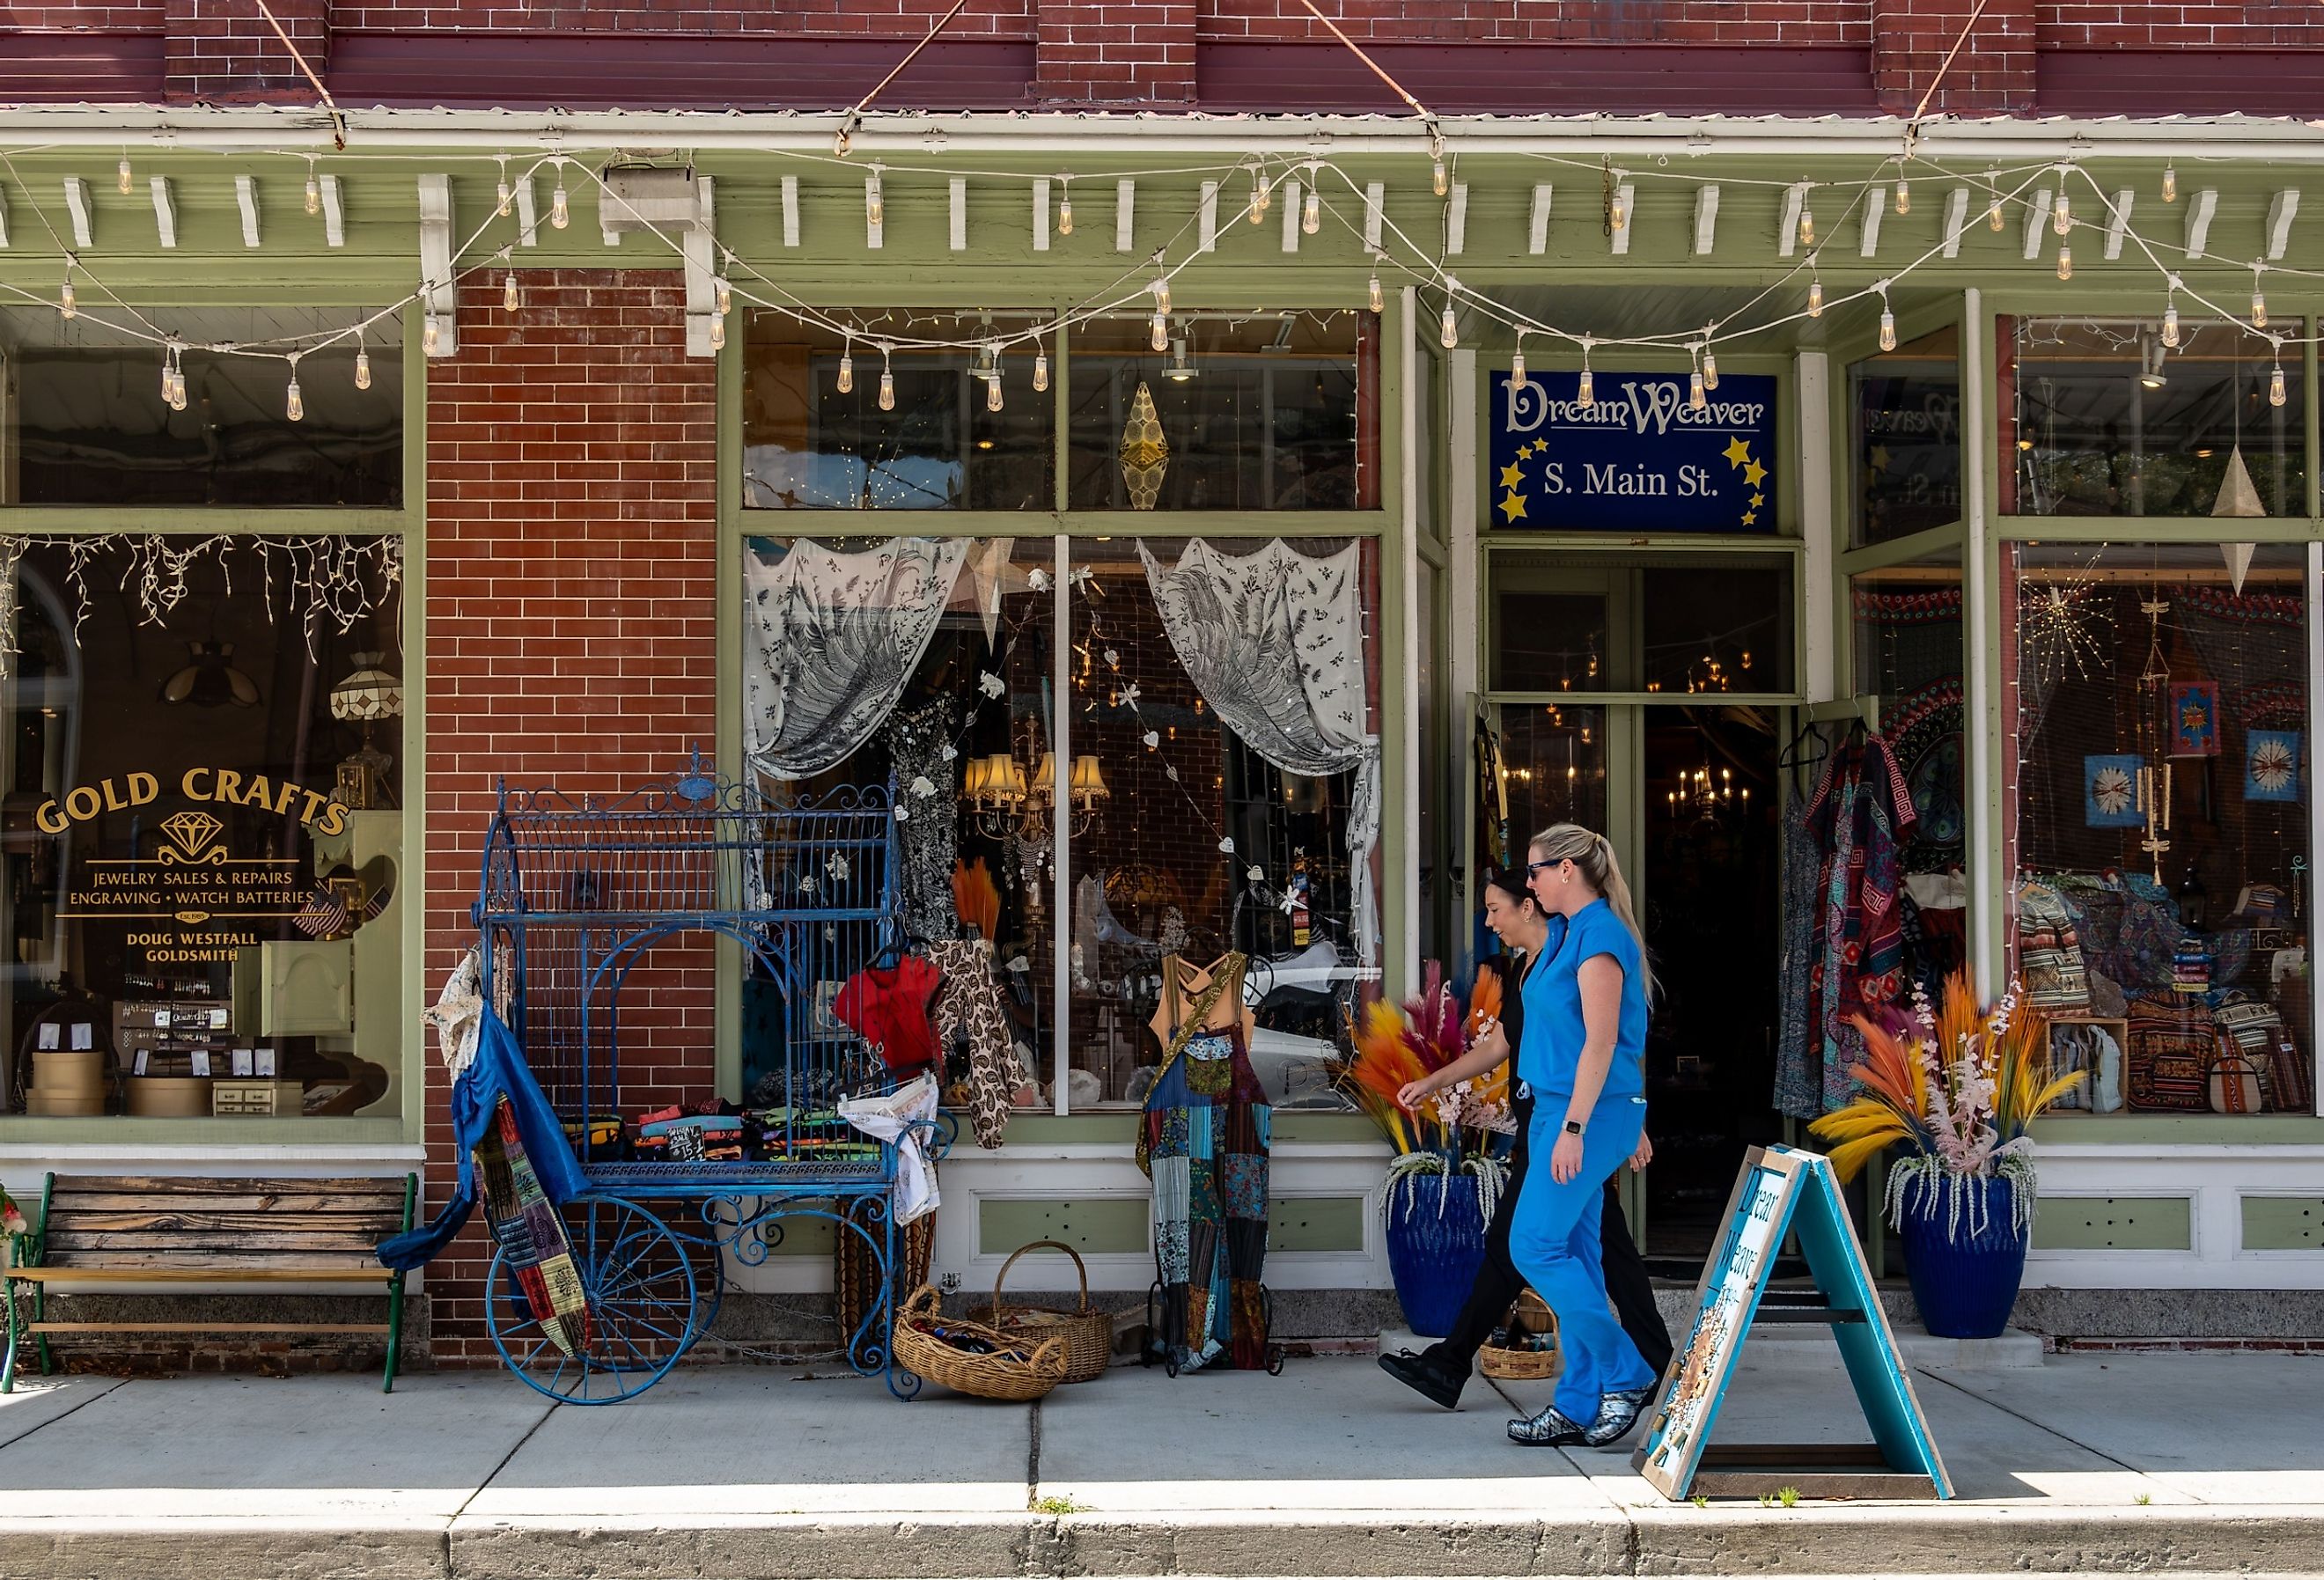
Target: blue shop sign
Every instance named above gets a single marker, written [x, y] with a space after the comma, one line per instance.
[1638, 459]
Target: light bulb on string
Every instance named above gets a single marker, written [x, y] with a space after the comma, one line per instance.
[294, 407]
[725, 294]
[1161, 290]
[1065, 206]
[2275, 390]
[1617, 213]
[2065, 262]
[560, 207]
[125, 177]
[1585, 393]
[314, 199]
[846, 381]
[169, 371]
[1887, 319]
[362, 368]
[68, 299]
[1448, 328]
[1436, 176]
[511, 299]
[1903, 196]
[2061, 218]
[875, 203]
[503, 195]
[1815, 290]
[2259, 302]
[1695, 398]
[886, 380]
[1158, 335]
[1709, 367]
[993, 390]
[1807, 227]
[718, 333]
[1260, 197]
[1516, 363]
[2171, 325]
[1378, 296]
[429, 335]
[1993, 200]
[1311, 206]
[1040, 368]
[2170, 183]
[178, 384]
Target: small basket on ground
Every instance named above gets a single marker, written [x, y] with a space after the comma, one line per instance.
[1532, 1353]
[1087, 1333]
[1015, 1368]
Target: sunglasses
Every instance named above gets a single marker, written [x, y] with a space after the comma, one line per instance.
[1533, 867]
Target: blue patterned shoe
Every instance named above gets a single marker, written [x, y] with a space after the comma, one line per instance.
[1616, 1414]
[1549, 1430]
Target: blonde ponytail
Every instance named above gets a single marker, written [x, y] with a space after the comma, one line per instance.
[1592, 854]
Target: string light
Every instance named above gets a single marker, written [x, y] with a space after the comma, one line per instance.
[1161, 290]
[314, 191]
[2275, 390]
[510, 297]
[1378, 296]
[992, 389]
[1516, 363]
[2170, 318]
[126, 177]
[1617, 213]
[2065, 262]
[1807, 227]
[1993, 200]
[887, 380]
[1448, 328]
[68, 301]
[2170, 183]
[560, 207]
[1903, 196]
[875, 204]
[2061, 218]
[1040, 368]
[1696, 398]
[847, 366]
[1815, 289]
[1260, 197]
[1585, 393]
[718, 333]
[1160, 336]
[2259, 302]
[1710, 360]
[429, 335]
[1887, 319]
[1310, 208]
[294, 406]
[169, 365]
[362, 367]
[1436, 176]
[1065, 206]
[725, 290]
[506, 196]
[173, 378]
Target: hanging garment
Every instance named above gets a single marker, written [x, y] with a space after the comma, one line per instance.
[495, 1078]
[1274, 640]
[1865, 812]
[1204, 1142]
[928, 841]
[1799, 1041]
[900, 1117]
[828, 641]
[888, 1006]
[969, 1005]
[534, 1246]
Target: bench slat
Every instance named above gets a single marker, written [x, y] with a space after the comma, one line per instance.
[245, 1271]
[206, 1327]
[229, 1184]
[164, 1201]
[201, 1244]
[81, 1223]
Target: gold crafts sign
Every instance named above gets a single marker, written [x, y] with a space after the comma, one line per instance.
[192, 901]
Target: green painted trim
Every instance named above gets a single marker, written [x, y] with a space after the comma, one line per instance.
[1674, 546]
[1046, 523]
[414, 1085]
[2153, 529]
[2114, 1222]
[810, 1239]
[2282, 1223]
[205, 521]
[1903, 550]
[1330, 1223]
[1094, 1226]
[1398, 860]
[727, 959]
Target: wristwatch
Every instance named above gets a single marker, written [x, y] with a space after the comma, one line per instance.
[1573, 1127]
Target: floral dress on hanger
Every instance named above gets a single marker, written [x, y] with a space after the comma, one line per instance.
[1204, 1142]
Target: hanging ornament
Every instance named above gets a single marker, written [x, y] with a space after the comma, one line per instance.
[1145, 452]
[2237, 497]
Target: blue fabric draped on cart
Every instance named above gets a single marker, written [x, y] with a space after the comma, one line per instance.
[497, 1072]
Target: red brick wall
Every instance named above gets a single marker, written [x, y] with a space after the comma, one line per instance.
[1115, 52]
[1789, 22]
[983, 18]
[1994, 70]
[572, 577]
[225, 50]
[2226, 24]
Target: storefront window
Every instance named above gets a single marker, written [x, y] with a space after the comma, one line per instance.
[2161, 824]
[1908, 626]
[2108, 419]
[1201, 814]
[1906, 455]
[1596, 622]
[831, 420]
[1236, 411]
[203, 849]
[88, 425]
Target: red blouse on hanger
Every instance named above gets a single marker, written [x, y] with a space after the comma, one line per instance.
[888, 1005]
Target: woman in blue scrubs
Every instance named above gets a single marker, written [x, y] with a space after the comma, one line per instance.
[1583, 1058]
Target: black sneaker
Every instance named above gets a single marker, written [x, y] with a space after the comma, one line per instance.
[1426, 1375]
[1549, 1430]
[1616, 1414]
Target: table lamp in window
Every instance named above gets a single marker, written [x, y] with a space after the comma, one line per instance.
[364, 699]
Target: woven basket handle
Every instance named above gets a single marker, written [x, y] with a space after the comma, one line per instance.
[1080, 1268]
[924, 1302]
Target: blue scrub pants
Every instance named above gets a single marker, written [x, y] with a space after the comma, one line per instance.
[1554, 1242]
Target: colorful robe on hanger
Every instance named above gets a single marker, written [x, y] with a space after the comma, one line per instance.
[1863, 815]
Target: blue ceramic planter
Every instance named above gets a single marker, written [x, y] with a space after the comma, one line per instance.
[1964, 1283]
[1435, 1244]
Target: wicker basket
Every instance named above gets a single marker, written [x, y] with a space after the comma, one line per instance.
[1088, 1333]
[1530, 1315]
[1018, 1369]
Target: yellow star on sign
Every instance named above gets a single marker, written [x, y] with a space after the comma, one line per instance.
[1513, 474]
[1737, 451]
[1757, 500]
[1749, 516]
[1513, 506]
[1755, 474]
[1880, 458]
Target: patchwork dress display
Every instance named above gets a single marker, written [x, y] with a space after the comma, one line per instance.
[1204, 1142]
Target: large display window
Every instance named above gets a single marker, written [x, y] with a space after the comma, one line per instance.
[201, 826]
[2161, 894]
[1904, 461]
[1218, 717]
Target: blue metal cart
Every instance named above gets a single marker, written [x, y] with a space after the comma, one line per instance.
[575, 898]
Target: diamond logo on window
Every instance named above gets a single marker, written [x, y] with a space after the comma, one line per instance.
[193, 833]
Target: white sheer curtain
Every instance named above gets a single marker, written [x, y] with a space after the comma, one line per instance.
[1274, 640]
[830, 637]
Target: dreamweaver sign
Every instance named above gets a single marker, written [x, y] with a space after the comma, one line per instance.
[1637, 458]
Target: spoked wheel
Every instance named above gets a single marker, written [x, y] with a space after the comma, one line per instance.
[639, 1288]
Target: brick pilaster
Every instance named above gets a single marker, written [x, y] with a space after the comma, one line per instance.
[1992, 74]
[223, 51]
[1115, 52]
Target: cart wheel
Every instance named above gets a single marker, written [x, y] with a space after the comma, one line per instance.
[709, 1294]
[640, 1290]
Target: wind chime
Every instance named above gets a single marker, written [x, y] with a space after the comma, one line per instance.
[2154, 789]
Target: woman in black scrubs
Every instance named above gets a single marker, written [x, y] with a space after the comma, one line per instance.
[1440, 1372]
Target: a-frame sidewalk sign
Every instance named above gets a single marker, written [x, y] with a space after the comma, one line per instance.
[1782, 1192]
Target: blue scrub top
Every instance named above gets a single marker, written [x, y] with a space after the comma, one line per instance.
[1553, 1031]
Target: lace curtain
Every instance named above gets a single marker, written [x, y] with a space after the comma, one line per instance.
[830, 638]
[1274, 640]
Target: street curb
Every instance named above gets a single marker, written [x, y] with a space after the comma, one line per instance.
[1629, 1543]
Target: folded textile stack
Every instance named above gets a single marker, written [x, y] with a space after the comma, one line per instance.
[2190, 967]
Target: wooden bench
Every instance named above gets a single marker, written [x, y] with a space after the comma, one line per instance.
[97, 1230]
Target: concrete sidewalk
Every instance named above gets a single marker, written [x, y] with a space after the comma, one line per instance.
[2186, 1462]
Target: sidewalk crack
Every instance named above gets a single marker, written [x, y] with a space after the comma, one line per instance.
[118, 1383]
[1033, 1459]
[2038, 1426]
[514, 1449]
